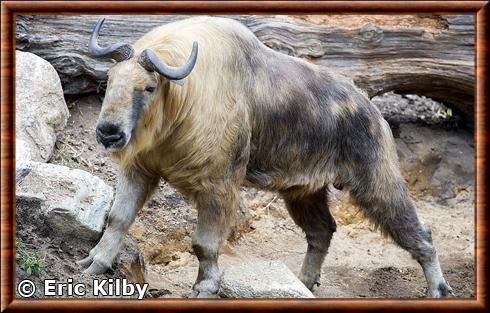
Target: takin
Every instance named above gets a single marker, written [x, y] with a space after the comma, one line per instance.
[238, 113]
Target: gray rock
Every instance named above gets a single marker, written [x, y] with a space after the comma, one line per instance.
[398, 109]
[40, 108]
[261, 279]
[23, 158]
[73, 202]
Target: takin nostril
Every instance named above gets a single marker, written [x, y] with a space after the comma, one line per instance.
[108, 129]
[108, 133]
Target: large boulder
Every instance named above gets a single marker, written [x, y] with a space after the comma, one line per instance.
[71, 201]
[40, 107]
[261, 279]
[23, 156]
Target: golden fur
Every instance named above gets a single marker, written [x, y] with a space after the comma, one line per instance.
[168, 140]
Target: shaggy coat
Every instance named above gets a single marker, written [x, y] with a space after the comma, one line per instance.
[248, 115]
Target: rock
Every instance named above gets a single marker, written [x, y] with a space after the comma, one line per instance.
[132, 262]
[261, 279]
[398, 109]
[39, 103]
[72, 202]
[23, 158]
[436, 162]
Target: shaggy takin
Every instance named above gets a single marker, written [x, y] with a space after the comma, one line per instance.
[238, 113]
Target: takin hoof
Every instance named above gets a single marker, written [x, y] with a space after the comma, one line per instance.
[95, 267]
[203, 294]
[85, 262]
[310, 281]
[443, 291]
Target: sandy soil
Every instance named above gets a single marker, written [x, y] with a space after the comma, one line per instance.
[360, 262]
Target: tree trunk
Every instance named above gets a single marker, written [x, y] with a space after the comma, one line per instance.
[431, 56]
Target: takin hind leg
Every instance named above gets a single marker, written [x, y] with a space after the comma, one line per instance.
[311, 213]
[216, 215]
[394, 213]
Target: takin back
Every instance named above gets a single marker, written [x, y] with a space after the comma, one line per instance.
[238, 113]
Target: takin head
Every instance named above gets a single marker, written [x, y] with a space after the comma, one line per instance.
[132, 84]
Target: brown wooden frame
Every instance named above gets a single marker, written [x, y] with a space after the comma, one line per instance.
[10, 8]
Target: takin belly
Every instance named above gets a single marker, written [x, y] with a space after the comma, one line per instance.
[300, 161]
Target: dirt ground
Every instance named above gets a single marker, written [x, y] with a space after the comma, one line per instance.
[360, 263]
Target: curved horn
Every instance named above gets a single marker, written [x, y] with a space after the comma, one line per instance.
[149, 60]
[118, 51]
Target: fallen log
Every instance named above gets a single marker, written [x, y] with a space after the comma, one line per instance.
[431, 56]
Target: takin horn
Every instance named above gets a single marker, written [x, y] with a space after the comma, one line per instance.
[149, 60]
[119, 51]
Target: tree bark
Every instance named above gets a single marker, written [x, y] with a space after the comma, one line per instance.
[411, 57]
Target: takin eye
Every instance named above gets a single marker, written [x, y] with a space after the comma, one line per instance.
[150, 89]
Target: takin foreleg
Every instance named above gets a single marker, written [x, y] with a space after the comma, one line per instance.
[216, 216]
[131, 193]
